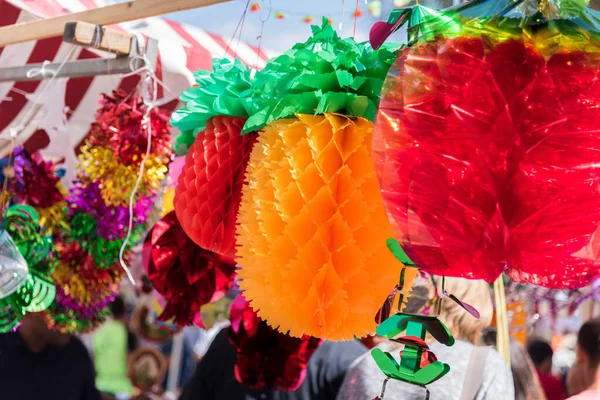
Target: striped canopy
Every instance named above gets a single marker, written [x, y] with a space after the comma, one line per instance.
[182, 50]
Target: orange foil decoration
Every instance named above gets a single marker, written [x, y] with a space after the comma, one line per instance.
[209, 190]
[312, 229]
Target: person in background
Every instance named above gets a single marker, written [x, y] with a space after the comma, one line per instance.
[111, 346]
[527, 384]
[364, 380]
[584, 379]
[541, 354]
[215, 379]
[39, 363]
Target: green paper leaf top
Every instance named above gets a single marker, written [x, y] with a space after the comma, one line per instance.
[325, 74]
[224, 91]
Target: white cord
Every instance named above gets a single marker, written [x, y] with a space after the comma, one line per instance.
[150, 105]
[15, 130]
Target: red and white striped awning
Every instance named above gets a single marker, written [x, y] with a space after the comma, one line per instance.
[182, 50]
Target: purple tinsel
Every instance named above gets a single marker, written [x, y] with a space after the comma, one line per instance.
[83, 311]
[112, 221]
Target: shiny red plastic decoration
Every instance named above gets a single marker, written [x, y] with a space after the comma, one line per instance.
[120, 126]
[208, 194]
[36, 182]
[488, 156]
[185, 274]
[266, 358]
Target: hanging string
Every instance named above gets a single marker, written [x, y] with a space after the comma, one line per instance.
[262, 27]
[383, 386]
[355, 18]
[240, 24]
[35, 72]
[150, 77]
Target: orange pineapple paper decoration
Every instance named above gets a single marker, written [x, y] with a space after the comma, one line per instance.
[312, 228]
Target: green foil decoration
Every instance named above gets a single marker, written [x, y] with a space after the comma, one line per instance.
[223, 91]
[23, 225]
[37, 293]
[104, 252]
[326, 74]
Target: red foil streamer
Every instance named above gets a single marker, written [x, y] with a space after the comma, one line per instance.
[267, 358]
[488, 157]
[185, 274]
[120, 126]
[208, 194]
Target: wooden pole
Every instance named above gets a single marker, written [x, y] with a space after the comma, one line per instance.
[503, 335]
[82, 68]
[113, 14]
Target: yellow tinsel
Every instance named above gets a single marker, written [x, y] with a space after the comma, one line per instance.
[86, 290]
[117, 180]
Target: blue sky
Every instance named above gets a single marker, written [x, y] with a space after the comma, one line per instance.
[278, 35]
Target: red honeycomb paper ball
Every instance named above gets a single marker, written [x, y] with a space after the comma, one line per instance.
[209, 189]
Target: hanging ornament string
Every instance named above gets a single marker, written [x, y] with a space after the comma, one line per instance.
[262, 27]
[149, 77]
[16, 130]
[240, 28]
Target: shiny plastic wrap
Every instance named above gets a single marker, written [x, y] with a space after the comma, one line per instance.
[487, 143]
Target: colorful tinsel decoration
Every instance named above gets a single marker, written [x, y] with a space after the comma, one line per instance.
[89, 272]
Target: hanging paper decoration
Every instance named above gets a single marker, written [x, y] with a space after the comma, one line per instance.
[312, 228]
[254, 7]
[187, 275]
[209, 189]
[307, 20]
[279, 15]
[266, 358]
[484, 145]
[37, 292]
[357, 13]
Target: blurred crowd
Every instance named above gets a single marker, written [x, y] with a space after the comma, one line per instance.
[118, 361]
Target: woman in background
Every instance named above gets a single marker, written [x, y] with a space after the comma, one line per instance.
[364, 380]
[527, 384]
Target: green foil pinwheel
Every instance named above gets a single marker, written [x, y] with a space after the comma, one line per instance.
[38, 291]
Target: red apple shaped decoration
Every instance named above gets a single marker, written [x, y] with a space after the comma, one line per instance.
[209, 189]
[487, 143]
